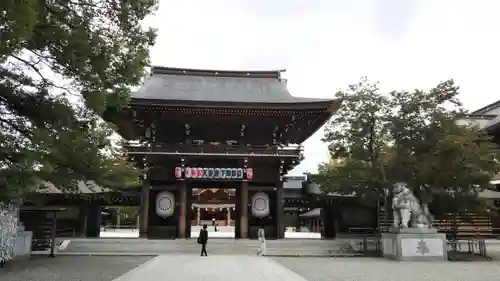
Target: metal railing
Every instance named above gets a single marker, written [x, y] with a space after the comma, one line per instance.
[463, 250]
[368, 246]
[112, 227]
[223, 150]
[475, 247]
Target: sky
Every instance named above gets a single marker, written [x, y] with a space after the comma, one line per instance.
[325, 45]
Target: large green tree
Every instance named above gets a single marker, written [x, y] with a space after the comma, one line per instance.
[438, 158]
[62, 63]
[357, 138]
[411, 137]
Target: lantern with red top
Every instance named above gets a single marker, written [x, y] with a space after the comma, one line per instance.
[178, 172]
[249, 173]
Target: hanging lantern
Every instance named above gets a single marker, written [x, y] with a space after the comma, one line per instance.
[178, 172]
[165, 202]
[188, 172]
[194, 172]
[260, 205]
[199, 173]
[249, 173]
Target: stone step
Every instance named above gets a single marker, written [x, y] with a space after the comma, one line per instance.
[215, 246]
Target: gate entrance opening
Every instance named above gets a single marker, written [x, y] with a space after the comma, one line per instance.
[215, 207]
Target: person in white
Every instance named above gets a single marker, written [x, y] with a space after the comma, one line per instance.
[262, 239]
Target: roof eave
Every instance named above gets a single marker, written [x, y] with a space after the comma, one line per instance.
[487, 108]
[162, 70]
[320, 122]
[309, 104]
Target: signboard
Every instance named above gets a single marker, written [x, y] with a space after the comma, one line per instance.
[422, 247]
[213, 173]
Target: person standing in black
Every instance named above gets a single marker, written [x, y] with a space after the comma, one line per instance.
[202, 239]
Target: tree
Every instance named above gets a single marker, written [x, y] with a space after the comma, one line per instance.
[437, 157]
[62, 63]
[357, 136]
[411, 137]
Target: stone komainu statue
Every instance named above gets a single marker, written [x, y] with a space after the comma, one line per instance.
[407, 210]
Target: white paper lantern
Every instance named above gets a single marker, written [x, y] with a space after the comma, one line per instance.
[165, 203]
[260, 205]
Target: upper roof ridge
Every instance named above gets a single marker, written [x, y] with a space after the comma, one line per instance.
[161, 70]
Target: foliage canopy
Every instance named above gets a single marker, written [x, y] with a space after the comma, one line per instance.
[62, 63]
[378, 138]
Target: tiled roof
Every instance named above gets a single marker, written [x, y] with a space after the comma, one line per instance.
[83, 187]
[173, 84]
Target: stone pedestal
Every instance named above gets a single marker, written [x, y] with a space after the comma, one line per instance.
[22, 245]
[414, 244]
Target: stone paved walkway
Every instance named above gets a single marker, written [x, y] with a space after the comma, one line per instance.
[211, 268]
[378, 269]
[237, 267]
[82, 268]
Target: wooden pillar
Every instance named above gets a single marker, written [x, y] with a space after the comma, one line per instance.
[82, 217]
[182, 208]
[244, 210]
[280, 211]
[228, 223]
[118, 218]
[198, 216]
[93, 220]
[144, 209]
[53, 235]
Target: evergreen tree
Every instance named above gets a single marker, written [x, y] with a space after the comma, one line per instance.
[62, 63]
[411, 137]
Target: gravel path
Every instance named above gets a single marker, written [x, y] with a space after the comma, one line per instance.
[66, 268]
[377, 269]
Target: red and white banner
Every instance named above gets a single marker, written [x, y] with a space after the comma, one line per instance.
[214, 173]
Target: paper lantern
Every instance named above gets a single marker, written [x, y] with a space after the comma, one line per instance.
[260, 205]
[249, 173]
[165, 203]
[178, 172]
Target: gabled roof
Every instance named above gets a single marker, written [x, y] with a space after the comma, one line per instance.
[82, 187]
[485, 118]
[173, 85]
[485, 109]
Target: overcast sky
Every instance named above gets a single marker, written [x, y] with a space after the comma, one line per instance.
[325, 45]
